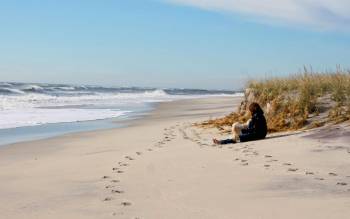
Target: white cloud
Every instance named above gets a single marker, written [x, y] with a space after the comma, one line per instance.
[320, 14]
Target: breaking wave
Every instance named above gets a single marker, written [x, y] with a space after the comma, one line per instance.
[35, 104]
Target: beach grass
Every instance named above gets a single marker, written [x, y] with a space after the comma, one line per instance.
[304, 100]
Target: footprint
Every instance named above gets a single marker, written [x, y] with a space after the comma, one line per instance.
[114, 181]
[149, 149]
[125, 203]
[105, 177]
[309, 173]
[109, 186]
[107, 199]
[268, 156]
[341, 183]
[243, 160]
[129, 158]
[138, 153]
[117, 191]
[115, 168]
[319, 178]
[120, 171]
[272, 160]
[292, 169]
[287, 164]
[332, 174]
[266, 165]
[244, 164]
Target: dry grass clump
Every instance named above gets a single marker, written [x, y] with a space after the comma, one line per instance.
[296, 101]
[228, 120]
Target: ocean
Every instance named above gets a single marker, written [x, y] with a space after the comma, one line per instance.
[31, 110]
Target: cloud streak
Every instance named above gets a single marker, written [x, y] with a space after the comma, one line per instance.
[317, 14]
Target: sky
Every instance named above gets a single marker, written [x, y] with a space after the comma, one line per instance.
[210, 44]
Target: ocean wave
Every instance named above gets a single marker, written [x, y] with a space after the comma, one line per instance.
[65, 88]
[32, 88]
[5, 84]
[5, 90]
[33, 117]
[68, 98]
[35, 100]
[62, 89]
[23, 104]
[155, 93]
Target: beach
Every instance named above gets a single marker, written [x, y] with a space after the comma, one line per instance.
[161, 166]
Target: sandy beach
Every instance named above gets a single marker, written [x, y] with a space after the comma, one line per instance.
[161, 166]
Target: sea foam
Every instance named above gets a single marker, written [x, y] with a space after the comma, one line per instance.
[35, 104]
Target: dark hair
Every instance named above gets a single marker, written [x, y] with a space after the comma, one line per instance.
[255, 108]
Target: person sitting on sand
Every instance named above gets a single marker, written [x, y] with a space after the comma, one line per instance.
[254, 129]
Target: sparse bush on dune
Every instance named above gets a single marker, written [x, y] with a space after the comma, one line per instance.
[303, 100]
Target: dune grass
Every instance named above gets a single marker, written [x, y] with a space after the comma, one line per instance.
[297, 101]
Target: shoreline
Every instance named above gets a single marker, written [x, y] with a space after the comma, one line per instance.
[141, 118]
[161, 160]
[53, 130]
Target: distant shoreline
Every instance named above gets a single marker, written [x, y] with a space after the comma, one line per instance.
[48, 131]
[34, 111]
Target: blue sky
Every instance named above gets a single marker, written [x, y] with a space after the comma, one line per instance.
[175, 43]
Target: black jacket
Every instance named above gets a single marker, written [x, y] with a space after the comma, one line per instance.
[257, 128]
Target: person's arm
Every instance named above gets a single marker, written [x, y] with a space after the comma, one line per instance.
[246, 125]
[248, 133]
[251, 125]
